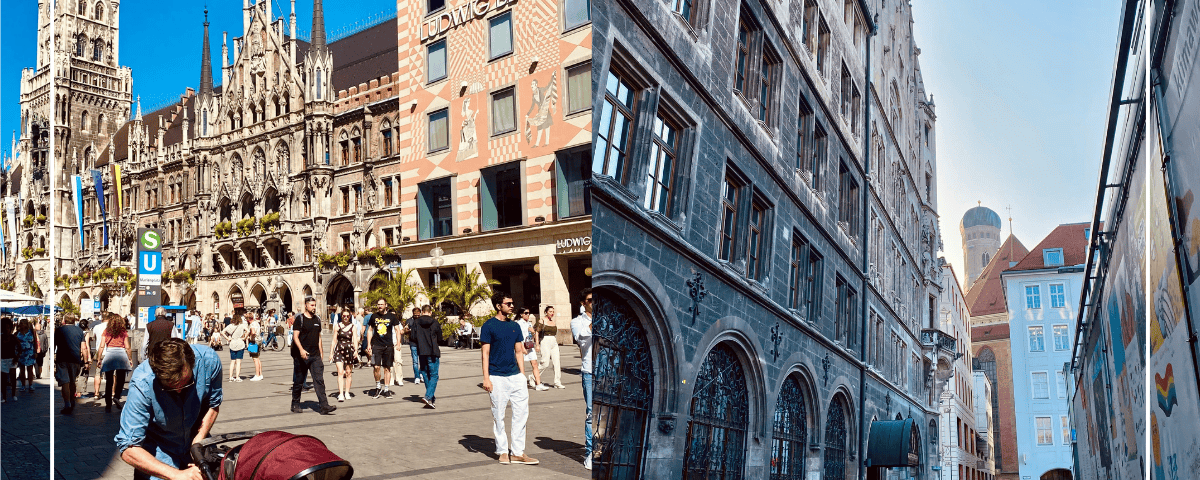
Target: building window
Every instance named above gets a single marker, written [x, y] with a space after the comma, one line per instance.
[579, 88]
[504, 111]
[730, 192]
[500, 36]
[357, 143]
[820, 142]
[320, 89]
[387, 236]
[1033, 297]
[660, 177]
[846, 87]
[720, 413]
[803, 137]
[357, 197]
[434, 5]
[435, 59]
[576, 13]
[685, 9]
[574, 183]
[848, 202]
[1041, 385]
[1061, 340]
[387, 142]
[822, 47]
[1066, 430]
[789, 444]
[435, 205]
[80, 42]
[387, 192]
[1052, 257]
[754, 248]
[806, 25]
[796, 276]
[1045, 436]
[345, 200]
[1037, 341]
[97, 50]
[439, 130]
[501, 197]
[612, 143]
[346, 242]
[1061, 384]
[1058, 296]
[81, 9]
[847, 309]
[835, 442]
[345, 144]
[743, 57]
[768, 86]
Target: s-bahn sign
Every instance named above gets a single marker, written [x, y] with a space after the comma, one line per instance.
[149, 279]
[453, 17]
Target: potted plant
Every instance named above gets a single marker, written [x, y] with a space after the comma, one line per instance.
[223, 229]
[270, 221]
[245, 226]
[27, 252]
[28, 220]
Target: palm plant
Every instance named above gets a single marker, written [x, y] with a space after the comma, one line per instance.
[464, 291]
[397, 290]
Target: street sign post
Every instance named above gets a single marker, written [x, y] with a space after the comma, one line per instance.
[149, 288]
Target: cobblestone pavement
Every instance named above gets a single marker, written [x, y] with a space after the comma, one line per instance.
[25, 433]
[382, 438]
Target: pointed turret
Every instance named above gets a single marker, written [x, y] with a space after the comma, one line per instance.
[318, 27]
[139, 108]
[206, 80]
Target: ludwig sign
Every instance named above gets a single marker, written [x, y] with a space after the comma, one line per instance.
[149, 288]
[572, 245]
[454, 17]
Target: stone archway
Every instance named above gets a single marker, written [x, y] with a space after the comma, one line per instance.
[339, 292]
[1057, 474]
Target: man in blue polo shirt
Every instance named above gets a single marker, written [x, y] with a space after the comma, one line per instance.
[504, 378]
[174, 398]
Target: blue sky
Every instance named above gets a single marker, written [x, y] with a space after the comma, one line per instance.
[19, 37]
[1021, 89]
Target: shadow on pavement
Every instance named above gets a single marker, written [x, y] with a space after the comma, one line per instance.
[478, 444]
[571, 450]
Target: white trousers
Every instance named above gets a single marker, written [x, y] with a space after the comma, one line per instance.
[504, 390]
[550, 355]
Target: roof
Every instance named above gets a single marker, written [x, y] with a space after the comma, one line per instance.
[364, 56]
[988, 333]
[1072, 238]
[171, 114]
[980, 215]
[986, 295]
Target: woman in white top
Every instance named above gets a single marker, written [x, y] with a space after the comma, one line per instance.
[254, 346]
[236, 333]
[531, 347]
[547, 328]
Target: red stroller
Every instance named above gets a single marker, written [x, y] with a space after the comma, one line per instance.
[272, 455]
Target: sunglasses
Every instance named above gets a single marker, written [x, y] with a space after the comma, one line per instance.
[587, 300]
[508, 303]
[180, 389]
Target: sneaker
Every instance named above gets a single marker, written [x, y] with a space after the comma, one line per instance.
[541, 387]
[587, 462]
[67, 410]
[296, 408]
[504, 460]
[341, 397]
[328, 409]
[378, 392]
[399, 382]
[388, 394]
[432, 405]
[420, 380]
[15, 398]
[427, 402]
[531, 382]
[256, 378]
[559, 385]
[524, 460]
[238, 379]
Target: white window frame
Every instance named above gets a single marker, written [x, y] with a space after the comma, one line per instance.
[1067, 337]
[1033, 385]
[1061, 384]
[1033, 299]
[1029, 332]
[1037, 433]
[1047, 253]
[1066, 430]
[1060, 296]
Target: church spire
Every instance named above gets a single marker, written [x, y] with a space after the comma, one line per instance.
[206, 81]
[318, 28]
[139, 108]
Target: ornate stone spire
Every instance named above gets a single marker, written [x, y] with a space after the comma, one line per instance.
[206, 81]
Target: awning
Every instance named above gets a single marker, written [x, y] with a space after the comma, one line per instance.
[30, 310]
[894, 443]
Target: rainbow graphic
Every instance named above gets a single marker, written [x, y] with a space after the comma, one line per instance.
[1166, 390]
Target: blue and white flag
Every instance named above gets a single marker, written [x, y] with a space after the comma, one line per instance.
[98, 177]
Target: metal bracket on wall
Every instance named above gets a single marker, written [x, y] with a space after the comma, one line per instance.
[776, 337]
[697, 292]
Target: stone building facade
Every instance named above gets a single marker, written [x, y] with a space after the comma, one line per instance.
[25, 266]
[766, 222]
[962, 443]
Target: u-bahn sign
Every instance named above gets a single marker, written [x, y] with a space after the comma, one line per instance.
[149, 288]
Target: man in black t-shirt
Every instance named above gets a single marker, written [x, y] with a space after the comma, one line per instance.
[380, 347]
[306, 357]
[71, 354]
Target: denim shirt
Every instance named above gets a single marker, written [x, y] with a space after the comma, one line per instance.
[165, 423]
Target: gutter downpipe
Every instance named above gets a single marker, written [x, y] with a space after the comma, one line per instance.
[1128, 17]
[866, 210]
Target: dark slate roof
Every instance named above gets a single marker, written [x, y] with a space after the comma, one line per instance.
[364, 56]
[1069, 237]
[980, 216]
[173, 116]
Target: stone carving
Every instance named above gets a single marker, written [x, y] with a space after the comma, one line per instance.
[235, 170]
[467, 143]
[545, 100]
[282, 159]
[362, 228]
[319, 228]
[260, 165]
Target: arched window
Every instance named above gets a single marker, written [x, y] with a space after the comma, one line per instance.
[204, 122]
[83, 122]
[720, 411]
[319, 84]
[622, 395]
[835, 441]
[101, 127]
[790, 440]
[82, 10]
[99, 13]
[986, 257]
[97, 49]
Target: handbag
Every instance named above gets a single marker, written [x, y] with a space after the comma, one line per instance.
[529, 345]
[253, 347]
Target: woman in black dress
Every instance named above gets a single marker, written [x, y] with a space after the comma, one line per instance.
[342, 353]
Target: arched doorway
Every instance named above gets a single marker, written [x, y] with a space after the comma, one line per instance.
[624, 385]
[789, 444]
[836, 439]
[258, 297]
[236, 300]
[339, 292]
[720, 414]
[189, 300]
[1057, 474]
[285, 298]
[166, 298]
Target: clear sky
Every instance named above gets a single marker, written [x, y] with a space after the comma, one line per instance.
[1021, 89]
[18, 35]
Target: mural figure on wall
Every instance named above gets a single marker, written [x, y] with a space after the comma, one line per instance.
[468, 147]
[544, 102]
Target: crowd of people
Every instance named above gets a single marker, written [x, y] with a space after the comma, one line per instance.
[182, 375]
[22, 351]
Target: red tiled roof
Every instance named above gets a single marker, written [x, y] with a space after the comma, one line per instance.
[1069, 237]
[986, 295]
[987, 333]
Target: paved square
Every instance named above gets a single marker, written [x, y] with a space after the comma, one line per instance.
[382, 438]
[25, 432]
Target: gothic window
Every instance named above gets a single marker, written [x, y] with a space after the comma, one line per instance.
[720, 412]
[624, 377]
[319, 83]
[80, 42]
[204, 123]
[83, 122]
[835, 441]
[387, 138]
[789, 443]
[97, 49]
[99, 13]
